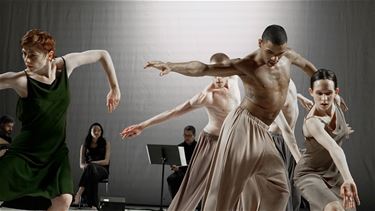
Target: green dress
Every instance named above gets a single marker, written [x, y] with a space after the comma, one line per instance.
[37, 164]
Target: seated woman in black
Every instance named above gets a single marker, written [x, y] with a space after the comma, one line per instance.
[94, 160]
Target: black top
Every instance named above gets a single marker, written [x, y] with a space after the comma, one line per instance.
[95, 154]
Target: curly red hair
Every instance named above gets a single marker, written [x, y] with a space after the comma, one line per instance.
[40, 39]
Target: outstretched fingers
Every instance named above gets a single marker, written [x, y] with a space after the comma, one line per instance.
[113, 99]
[162, 66]
[350, 195]
[130, 132]
[154, 64]
[112, 104]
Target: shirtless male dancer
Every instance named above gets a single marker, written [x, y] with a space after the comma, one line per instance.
[218, 98]
[245, 148]
[282, 131]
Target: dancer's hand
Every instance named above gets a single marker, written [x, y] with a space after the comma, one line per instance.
[349, 130]
[131, 131]
[113, 99]
[305, 103]
[340, 101]
[162, 66]
[348, 192]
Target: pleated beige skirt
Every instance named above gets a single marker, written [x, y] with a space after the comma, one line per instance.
[246, 162]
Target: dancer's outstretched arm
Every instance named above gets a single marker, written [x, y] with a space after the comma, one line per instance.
[74, 60]
[199, 100]
[315, 128]
[197, 68]
[288, 135]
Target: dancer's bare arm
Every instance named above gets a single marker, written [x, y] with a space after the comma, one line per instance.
[305, 103]
[288, 136]
[199, 100]
[305, 65]
[196, 68]
[14, 80]
[82, 159]
[315, 128]
[74, 60]
[340, 101]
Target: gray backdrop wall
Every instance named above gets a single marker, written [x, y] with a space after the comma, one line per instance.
[336, 34]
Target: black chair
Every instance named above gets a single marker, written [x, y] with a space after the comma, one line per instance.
[106, 182]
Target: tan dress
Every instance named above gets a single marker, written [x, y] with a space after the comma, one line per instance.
[192, 188]
[246, 152]
[316, 175]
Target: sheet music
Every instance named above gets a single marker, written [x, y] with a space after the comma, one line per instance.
[181, 152]
[148, 155]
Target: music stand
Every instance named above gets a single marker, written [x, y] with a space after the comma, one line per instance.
[165, 154]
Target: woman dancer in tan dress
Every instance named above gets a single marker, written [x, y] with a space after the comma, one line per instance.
[322, 174]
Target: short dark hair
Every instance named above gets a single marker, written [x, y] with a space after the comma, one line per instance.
[323, 74]
[190, 128]
[5, 119]
[276, 34]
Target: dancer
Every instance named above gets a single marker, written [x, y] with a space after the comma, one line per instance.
[218, 99]
[282, 131]
[323, 174]
[37, 162]
[245, 148]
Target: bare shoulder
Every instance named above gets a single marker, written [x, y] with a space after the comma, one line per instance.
[314, 121]
[14, 75]
[296, 58]
[60, 63]
[246, 64]
[312, 126]
[16, 81]
[291, 54]
[249, 59]
[13, 79]
[317, 123]
[67, 62]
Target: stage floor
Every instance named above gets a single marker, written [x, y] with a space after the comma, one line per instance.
[127, 208]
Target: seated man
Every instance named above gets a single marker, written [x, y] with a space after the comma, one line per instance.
[174, 180]
[6, 128]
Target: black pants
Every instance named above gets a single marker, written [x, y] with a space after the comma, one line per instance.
[174, 182]
[90, 179]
